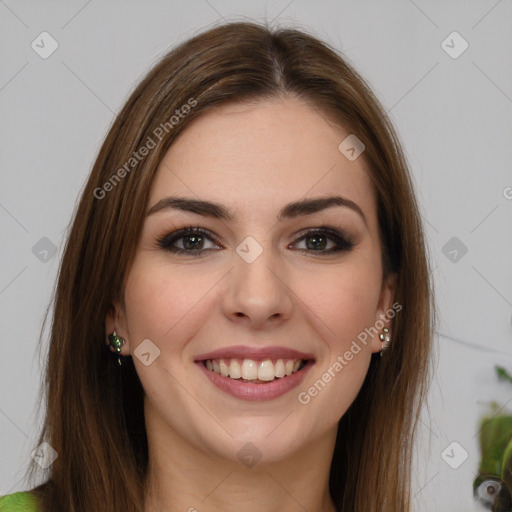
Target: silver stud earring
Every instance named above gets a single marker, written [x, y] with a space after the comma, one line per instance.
[386, 338]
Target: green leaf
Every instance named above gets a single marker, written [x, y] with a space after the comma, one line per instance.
[502, 373]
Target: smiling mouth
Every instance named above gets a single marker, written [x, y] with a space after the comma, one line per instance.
[255, 371]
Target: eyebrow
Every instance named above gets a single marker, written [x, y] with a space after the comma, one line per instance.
[289, 211]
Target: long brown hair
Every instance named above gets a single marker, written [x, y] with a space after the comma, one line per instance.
[94, 415]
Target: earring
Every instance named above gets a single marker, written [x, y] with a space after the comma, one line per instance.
[116, 343]
[386, 338]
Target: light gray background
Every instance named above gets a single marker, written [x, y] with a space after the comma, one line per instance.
[454, 116]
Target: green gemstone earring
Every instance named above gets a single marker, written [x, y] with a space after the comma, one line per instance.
[116, 343]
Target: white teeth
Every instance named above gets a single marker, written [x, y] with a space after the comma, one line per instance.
[224, 370]
[249, 369]
[235, 371]
[266, 370]
[279, 368]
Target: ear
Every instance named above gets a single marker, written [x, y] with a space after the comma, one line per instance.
[385, 311]
[116, 319]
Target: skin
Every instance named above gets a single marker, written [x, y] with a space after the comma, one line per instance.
[253, 159]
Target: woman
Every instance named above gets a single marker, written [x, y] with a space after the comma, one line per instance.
[248, 247]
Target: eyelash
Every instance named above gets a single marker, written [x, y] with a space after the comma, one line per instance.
[343, 241]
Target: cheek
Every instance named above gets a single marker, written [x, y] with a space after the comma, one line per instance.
[160, 303]
[346, 303]
[345, 300]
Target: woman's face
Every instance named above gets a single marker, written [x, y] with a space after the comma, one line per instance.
[272, 283]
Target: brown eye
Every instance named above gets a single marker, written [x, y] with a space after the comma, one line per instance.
[318, 241]
[191, 239]
[322, 241]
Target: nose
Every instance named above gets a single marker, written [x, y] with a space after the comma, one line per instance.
[259, 293]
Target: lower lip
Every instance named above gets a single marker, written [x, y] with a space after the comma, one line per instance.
[256, 392]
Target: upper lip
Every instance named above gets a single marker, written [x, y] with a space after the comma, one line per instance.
[256, 353]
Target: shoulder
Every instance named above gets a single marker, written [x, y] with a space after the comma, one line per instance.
[18, 502]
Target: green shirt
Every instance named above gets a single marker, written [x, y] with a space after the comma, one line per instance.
[18, 502]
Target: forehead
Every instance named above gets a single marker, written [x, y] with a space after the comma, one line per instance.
[254, 158]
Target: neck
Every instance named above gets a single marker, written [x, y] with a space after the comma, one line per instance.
[185, 478]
